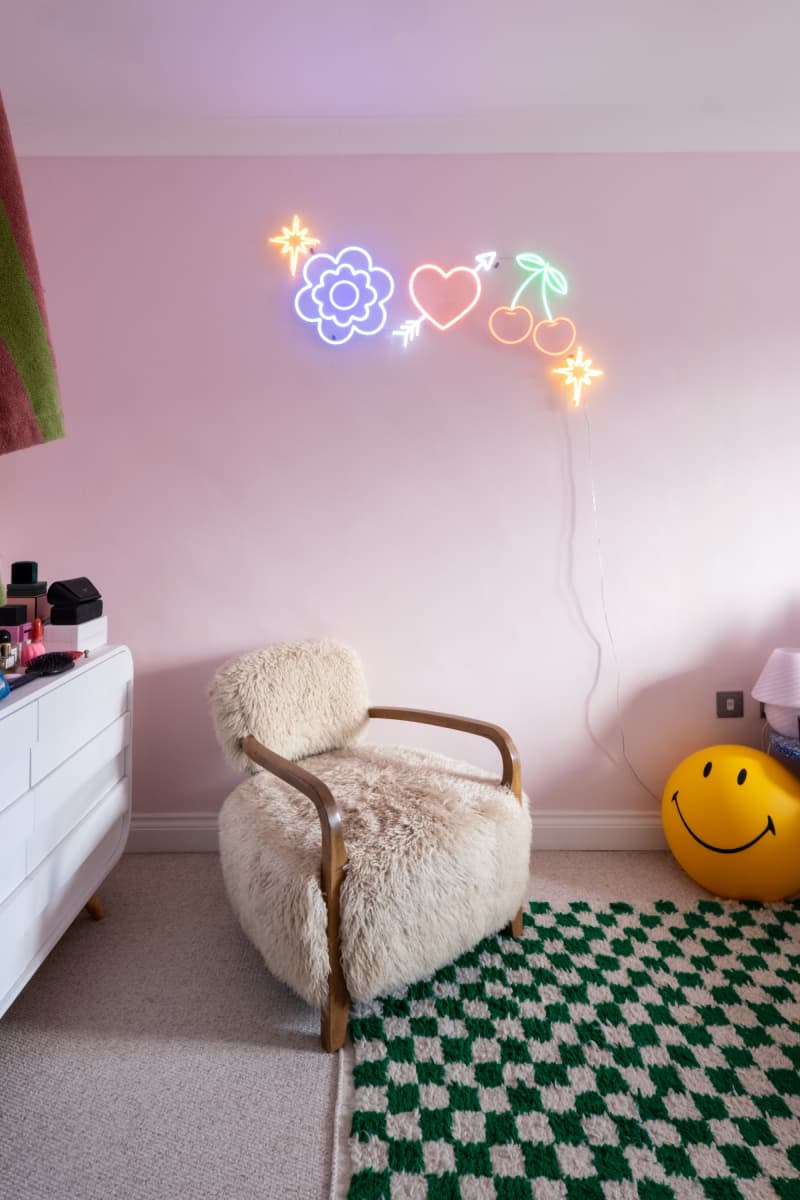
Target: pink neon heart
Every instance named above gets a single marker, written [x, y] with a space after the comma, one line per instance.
[444, 297]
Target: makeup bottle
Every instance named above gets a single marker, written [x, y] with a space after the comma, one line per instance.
[8, 652]
[35, 646]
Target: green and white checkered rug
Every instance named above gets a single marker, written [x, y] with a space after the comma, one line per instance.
[611, 1053]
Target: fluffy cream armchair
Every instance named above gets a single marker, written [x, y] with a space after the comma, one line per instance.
[410, 859]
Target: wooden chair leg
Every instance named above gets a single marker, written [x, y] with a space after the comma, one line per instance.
[335, 1013]
[515, 928]
[95, 908]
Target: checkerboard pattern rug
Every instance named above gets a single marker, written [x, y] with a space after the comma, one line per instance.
[611, 1053]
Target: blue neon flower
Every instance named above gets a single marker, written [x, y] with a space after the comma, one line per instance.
[344, 294]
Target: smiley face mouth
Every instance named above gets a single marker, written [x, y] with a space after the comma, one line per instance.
[768, 828]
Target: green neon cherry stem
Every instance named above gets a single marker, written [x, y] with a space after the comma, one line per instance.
[551, 278]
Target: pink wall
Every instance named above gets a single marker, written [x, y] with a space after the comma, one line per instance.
[229, 480]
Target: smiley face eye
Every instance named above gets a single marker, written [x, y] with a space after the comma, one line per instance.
[706, 770]
[740, 778]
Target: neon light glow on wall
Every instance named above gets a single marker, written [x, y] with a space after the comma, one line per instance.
[578, 374]
[444, 297]
[294, 240]
[551, 279]
[514, 323]
[344, 294]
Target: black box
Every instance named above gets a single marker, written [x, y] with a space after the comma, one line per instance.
[25, 572]
[13, 614]
[26, 589]
[72, 591]
[76, 614]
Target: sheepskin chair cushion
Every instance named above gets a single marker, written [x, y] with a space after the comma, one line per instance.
[297, 698]
[438, 859]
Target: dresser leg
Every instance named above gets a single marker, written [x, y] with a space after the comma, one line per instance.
[95, 908]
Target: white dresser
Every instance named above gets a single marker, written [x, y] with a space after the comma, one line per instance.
[65, 802]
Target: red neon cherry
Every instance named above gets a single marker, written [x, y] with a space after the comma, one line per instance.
[511, 325]
[554, 337]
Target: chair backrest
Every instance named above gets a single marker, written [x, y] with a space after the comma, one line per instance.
[297, 698]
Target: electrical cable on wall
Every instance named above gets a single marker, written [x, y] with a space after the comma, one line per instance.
[604, 606]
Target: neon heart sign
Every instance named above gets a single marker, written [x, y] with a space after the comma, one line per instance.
[444, 297]
[346, 293]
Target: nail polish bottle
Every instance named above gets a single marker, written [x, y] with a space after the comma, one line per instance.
[35, 646]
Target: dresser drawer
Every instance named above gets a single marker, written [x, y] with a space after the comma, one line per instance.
[91, 843]
[38, 912]
[67, 794]
[71, 715]
[16, 827]
[18, 936]
[17, 735]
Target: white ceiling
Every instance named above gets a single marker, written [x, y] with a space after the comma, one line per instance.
[364, 76]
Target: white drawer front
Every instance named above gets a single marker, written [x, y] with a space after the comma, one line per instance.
[69, 716]
[19, 936]
[67, 794]
[17, 735]
[72, 859]
[16, 827]
[39, 911]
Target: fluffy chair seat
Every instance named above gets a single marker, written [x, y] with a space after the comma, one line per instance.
[438, 859]
[356, 869]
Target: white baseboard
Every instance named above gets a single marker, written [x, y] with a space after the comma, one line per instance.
[552, 830]
[153, 833]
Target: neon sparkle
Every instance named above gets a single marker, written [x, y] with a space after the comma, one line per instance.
[294, 240]
[344, 294]
[578, 373]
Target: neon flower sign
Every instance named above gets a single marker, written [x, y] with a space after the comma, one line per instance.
[344, 294]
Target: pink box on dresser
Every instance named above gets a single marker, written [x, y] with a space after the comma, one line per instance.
[19, 633]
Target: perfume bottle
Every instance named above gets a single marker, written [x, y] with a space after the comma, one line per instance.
[8, 652]
[35, 647]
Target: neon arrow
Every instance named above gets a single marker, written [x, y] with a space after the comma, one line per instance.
[485, 260]
[408, 331]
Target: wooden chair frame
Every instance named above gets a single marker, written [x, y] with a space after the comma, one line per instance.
[334, 851]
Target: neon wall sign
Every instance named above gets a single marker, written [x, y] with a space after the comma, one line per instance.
[346, 293]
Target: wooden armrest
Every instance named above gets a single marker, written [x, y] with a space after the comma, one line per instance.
[334, 861]
[333, 847]
[512, 777]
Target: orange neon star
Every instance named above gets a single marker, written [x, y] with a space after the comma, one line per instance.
[294, 240]
[577, 373]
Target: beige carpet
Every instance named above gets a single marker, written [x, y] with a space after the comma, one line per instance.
[153, 1058]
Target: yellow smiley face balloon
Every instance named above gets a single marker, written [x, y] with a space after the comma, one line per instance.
[731, 816]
